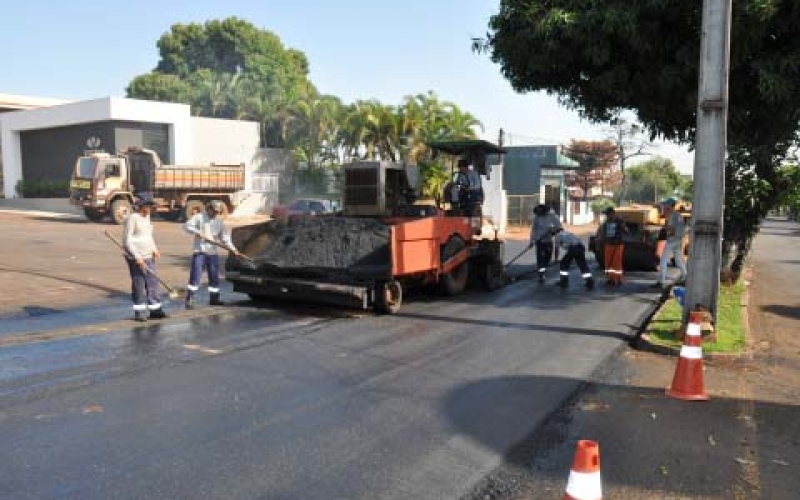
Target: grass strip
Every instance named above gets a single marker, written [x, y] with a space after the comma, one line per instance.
[730, 327]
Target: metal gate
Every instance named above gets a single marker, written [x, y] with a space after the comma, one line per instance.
[265, 183]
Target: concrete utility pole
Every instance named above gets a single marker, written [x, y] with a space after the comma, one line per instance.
[709, 161]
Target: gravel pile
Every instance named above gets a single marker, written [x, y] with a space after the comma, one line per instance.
[322, 246]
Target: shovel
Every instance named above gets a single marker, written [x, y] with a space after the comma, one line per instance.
[518, 256]
[173, 293]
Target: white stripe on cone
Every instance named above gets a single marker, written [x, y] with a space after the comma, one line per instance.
[584, 485]
[694, 330]
[691, 352]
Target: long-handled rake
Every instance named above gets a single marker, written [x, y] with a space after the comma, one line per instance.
[174, 293]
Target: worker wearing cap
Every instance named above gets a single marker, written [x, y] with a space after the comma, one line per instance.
[141, 254]
[544, 224]
[609, 235]
[207, 229]
[675, 229]
[574, 250]
[469, 189]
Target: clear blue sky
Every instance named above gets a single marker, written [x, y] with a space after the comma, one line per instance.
[357, 49]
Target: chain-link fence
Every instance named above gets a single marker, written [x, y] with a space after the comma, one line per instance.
[520, 209]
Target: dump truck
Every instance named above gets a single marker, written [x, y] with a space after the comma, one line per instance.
[381, 244]
[105, 184]
[646, 237]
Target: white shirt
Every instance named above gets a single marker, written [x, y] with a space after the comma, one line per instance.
[137, 236]
[213, 229]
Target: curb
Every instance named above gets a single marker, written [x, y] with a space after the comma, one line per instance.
[640, 342]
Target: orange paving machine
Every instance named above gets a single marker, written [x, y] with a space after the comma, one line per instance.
[382, 243]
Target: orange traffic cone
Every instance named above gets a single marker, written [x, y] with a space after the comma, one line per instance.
[584, 477]
[688, 380]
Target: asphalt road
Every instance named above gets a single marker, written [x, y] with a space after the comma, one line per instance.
[302, 402]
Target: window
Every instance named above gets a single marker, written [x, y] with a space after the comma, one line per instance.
[86, 168]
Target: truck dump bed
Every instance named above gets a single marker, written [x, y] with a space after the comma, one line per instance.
[199, 178]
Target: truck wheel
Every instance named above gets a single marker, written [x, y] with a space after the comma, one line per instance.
[494, 275]
[120, 210]
[192, 207]
[93, 215]
[388, 297]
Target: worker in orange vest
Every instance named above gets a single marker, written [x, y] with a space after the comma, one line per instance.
[610, 236]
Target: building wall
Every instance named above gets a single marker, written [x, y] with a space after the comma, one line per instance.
[227, 142]
[50, 154]
[175, 117]
[495, 205]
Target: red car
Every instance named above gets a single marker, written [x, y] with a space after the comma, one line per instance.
[302, 206]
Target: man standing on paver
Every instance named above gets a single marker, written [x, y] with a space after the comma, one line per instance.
[675, 228]
[209, 234]
[141, 256]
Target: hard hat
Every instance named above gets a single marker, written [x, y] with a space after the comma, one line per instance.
[215, 205]
[670, 201]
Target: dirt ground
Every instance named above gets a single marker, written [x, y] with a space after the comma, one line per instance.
[54, 262]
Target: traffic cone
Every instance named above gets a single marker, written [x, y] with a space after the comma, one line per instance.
[584, 477]
[687, 382]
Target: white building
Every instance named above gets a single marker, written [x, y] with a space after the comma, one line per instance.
[43, 138]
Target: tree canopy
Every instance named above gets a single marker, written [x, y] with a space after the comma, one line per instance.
[605, 56]
[226, 69]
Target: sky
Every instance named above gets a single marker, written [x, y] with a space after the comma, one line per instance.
[357, 49]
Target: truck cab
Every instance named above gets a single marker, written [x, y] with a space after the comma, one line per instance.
[96, 179]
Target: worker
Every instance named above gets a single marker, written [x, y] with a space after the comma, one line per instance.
[141, 254]
[542, 230]
[209, 233]
[574, 250]
[468, 188]
[675, 229]
[610, 237]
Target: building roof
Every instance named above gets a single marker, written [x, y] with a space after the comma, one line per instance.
[10, 102]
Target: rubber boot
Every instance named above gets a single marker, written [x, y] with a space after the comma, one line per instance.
[589, 283]
[158, 314]
[139, 316]
[215, 300]
[189, 301]
[563, 282]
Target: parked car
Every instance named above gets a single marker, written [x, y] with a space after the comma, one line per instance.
[303, 206]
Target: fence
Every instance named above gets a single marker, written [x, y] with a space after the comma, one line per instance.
[520, 209]
[265, 183]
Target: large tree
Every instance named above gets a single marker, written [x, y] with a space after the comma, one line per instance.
[228, 69]
[596, 162]
[604, 56]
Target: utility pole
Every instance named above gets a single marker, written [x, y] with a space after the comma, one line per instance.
[709, 161]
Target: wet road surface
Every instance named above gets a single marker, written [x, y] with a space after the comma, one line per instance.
[305, 402]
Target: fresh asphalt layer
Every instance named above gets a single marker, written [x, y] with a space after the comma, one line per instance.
[304, 402]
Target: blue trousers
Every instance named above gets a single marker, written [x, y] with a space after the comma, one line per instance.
[144, 286]
[209, 263]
